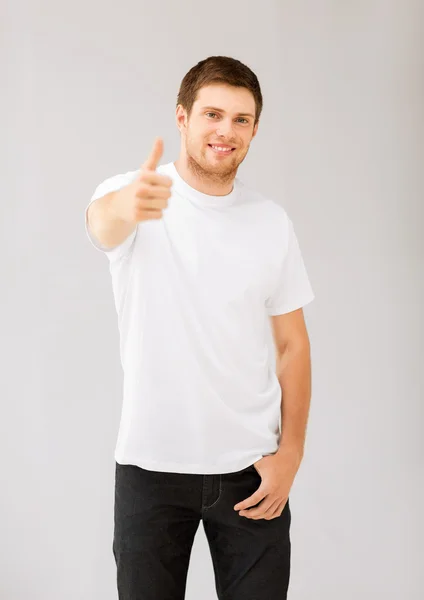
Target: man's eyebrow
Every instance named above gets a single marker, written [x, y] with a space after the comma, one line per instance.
[240, 114]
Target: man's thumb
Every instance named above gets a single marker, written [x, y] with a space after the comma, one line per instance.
[155, 155]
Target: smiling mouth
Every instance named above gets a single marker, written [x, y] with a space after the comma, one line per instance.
[224, 152]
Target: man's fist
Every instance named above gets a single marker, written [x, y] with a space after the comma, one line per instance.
[147, 196]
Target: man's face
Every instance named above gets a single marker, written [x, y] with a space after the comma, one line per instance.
[222, 115]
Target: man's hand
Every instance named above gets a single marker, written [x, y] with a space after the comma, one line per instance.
[277, 472]
[146, 197]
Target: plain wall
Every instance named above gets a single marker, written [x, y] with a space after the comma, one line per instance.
[86, 88]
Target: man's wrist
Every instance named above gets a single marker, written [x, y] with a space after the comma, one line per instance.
[291, 449]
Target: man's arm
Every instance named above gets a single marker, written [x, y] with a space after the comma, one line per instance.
[293, 366]
[104, 222]
[114, 216]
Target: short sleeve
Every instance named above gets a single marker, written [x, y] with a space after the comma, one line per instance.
[293, 289]
[110, 185]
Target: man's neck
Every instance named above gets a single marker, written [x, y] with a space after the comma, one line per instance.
[213, 185]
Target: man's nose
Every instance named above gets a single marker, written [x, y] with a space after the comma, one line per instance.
[225, 129]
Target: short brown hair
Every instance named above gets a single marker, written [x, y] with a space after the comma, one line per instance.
[218, 69]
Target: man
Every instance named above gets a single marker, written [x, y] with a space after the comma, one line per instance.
[199, 263]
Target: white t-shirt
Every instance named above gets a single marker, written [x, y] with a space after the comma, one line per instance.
[193, 293]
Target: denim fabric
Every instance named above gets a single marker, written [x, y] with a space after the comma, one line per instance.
[156, 517]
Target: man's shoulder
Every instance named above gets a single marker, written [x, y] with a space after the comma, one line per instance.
[124, 178]
[265, 202]
[120, 179]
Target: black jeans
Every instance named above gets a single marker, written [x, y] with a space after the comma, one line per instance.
[156, 518]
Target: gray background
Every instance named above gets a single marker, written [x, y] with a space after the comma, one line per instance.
[87, 87]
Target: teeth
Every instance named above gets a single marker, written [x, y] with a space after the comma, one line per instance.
[221, 149]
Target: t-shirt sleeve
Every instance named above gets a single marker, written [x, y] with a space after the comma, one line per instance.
[293, 289]
[110, 185]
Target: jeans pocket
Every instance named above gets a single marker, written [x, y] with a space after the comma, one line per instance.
[255, 470]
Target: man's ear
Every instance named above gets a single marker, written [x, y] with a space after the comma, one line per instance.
[181, 117]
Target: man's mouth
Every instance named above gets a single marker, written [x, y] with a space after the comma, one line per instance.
[221, 149]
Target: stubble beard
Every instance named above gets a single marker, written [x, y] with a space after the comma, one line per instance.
[208, 172]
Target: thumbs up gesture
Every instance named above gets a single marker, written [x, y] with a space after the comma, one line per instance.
[147, 196]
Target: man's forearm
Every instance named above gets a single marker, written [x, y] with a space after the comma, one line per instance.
[104, 222]
[294, 374]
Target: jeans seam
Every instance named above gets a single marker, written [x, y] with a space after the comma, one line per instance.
[219, 495]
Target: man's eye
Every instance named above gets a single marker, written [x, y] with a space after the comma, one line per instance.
[239, 118]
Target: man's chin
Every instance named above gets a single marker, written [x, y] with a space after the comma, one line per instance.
[209, 166]
[222, 170]
[226, 165]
